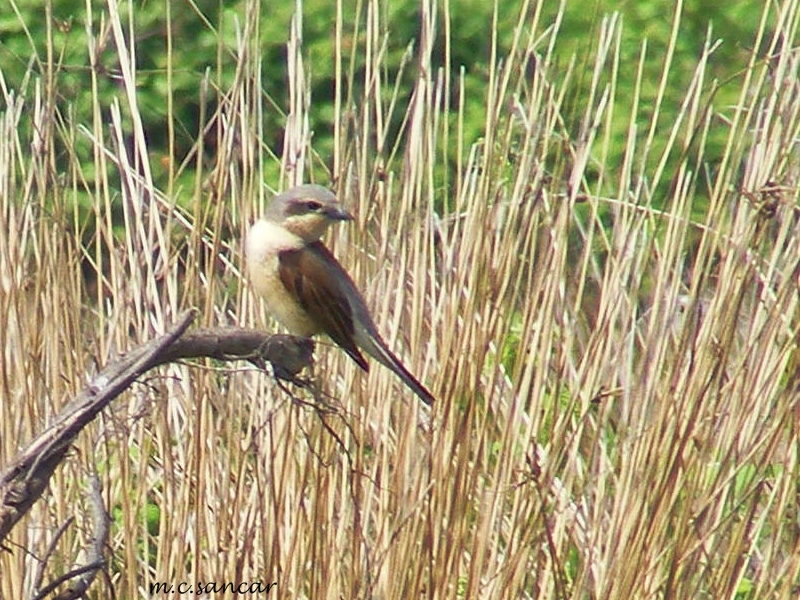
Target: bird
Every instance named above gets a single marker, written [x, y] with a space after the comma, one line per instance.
[305, 288]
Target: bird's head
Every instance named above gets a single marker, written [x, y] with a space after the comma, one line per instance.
[306, 211]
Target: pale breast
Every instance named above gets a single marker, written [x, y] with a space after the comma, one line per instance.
[264, 241]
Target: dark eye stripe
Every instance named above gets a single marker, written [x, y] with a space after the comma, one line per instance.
[301, 207]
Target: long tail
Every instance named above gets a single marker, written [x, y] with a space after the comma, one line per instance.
[378, 350]
[373, 345]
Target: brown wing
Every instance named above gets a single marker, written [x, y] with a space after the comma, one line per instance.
[313, 276]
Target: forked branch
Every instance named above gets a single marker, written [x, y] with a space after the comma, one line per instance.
[24, 480]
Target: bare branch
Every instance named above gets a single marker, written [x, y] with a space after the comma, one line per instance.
[24, 480]
[82, 576]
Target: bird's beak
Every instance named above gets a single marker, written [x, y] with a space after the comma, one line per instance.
[338, 214]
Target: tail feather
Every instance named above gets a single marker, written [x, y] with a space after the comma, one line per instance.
[377, 349]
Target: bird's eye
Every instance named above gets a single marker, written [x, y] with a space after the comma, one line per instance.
[313, 205]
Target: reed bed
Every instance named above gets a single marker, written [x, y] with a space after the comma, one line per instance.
[616, 376]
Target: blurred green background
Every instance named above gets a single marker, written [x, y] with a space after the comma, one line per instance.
[198, 27]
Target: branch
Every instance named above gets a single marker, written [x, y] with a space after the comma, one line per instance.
[25, 479]
[81, 576]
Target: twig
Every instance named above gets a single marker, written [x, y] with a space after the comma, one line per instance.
[27, 475]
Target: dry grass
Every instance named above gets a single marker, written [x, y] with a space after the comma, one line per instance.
[617, 404]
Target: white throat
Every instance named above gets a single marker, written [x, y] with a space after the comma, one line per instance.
[264, 242]
[266, 238]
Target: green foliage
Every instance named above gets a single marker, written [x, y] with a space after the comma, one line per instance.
[196, 34]
[647, 29]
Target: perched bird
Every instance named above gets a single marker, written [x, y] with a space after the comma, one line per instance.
[305, 287]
